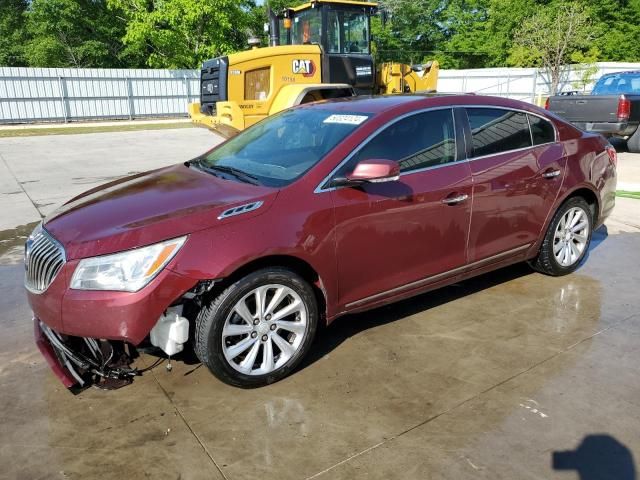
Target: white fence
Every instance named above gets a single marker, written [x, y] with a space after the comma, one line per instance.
[64, 94]
[526, 84]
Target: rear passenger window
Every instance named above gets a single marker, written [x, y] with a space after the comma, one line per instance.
[419, 141]
[495, 130]
[542, 130]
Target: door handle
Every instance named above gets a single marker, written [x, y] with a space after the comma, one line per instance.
[551, 173]
[456, 199]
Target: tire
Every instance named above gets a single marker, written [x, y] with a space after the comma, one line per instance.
[233, 340]
[633, 143]
[552, 258]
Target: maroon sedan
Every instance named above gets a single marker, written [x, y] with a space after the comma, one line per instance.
[321, 210]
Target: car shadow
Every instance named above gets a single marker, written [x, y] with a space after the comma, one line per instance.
[619, 144]
[597, 237]
[343, 328]
[332, 336]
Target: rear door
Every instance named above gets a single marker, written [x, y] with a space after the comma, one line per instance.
[392, 235]
[517, 168]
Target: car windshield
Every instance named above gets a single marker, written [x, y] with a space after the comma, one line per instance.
[617, 84]
[280, 149]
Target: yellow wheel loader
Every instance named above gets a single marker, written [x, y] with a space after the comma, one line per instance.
[318, 50]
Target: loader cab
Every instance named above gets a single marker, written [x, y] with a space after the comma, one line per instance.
[343, 30]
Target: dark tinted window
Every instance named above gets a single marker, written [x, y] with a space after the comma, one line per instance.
[495, 130]
[541, 130]
[419, 141]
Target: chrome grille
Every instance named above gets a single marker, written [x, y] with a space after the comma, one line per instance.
[44, 257]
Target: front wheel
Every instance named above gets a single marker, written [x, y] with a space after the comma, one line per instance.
[258, 329]
[567, 239]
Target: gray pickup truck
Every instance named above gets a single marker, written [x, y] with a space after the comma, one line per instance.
[612, 109]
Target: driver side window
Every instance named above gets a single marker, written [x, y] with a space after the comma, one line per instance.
[419, 141]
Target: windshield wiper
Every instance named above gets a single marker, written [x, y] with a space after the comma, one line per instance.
[240, 174]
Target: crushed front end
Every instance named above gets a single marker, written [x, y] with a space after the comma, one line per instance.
[81, 362]
[91, 337]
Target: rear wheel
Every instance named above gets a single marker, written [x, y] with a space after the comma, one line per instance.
[633, 143]
[258, 329]
[567, 239]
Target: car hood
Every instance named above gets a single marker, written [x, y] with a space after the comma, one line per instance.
[148, 208]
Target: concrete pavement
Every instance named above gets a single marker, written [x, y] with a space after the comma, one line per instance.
[512, 375]
[39, 173]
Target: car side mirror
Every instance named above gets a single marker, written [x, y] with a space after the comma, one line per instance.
[375, 170]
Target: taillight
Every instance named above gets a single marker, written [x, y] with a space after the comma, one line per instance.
[613, 155]
[624, 109]
[546, 104]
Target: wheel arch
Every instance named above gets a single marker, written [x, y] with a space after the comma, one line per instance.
[585, 191]
[590, 196]
[291, 262]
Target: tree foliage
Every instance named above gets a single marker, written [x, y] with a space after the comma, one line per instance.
[75, 33]
[552, 38]
[183, 33]
[12, 31]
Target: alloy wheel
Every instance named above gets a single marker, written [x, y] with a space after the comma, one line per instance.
[571, 237]
[264, 329]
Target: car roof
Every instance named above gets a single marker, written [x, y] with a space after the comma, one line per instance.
[377, 104]
[628, 72]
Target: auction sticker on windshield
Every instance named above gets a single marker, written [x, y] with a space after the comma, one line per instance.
[348, 119]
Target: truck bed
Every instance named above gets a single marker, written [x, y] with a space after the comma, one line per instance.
[597, 113]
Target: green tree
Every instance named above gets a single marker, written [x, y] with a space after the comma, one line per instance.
[12, 32]
[184, 33]
[617, 29]
[413, 30]
[75, 33]
[551, 38]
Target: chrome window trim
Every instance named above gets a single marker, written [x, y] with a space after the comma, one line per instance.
[515, 150]
[319, 188]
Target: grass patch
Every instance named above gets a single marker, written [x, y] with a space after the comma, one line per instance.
[129, 127]
[627, 194]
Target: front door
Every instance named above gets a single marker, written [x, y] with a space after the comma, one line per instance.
[390, 235]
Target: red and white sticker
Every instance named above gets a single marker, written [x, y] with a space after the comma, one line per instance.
[346, 119]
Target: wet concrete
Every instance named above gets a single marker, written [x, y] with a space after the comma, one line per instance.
[484, 379]
[12, 241]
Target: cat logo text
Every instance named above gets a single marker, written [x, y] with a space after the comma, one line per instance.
[306, 68]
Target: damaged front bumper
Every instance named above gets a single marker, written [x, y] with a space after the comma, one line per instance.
[81, 362]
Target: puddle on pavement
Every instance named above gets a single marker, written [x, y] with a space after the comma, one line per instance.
[11, 242]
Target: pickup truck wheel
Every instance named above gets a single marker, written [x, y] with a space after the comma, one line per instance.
[567, 239]
[258, 329]
[633, 143]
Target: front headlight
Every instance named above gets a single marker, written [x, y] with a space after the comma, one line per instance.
[126, 271]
